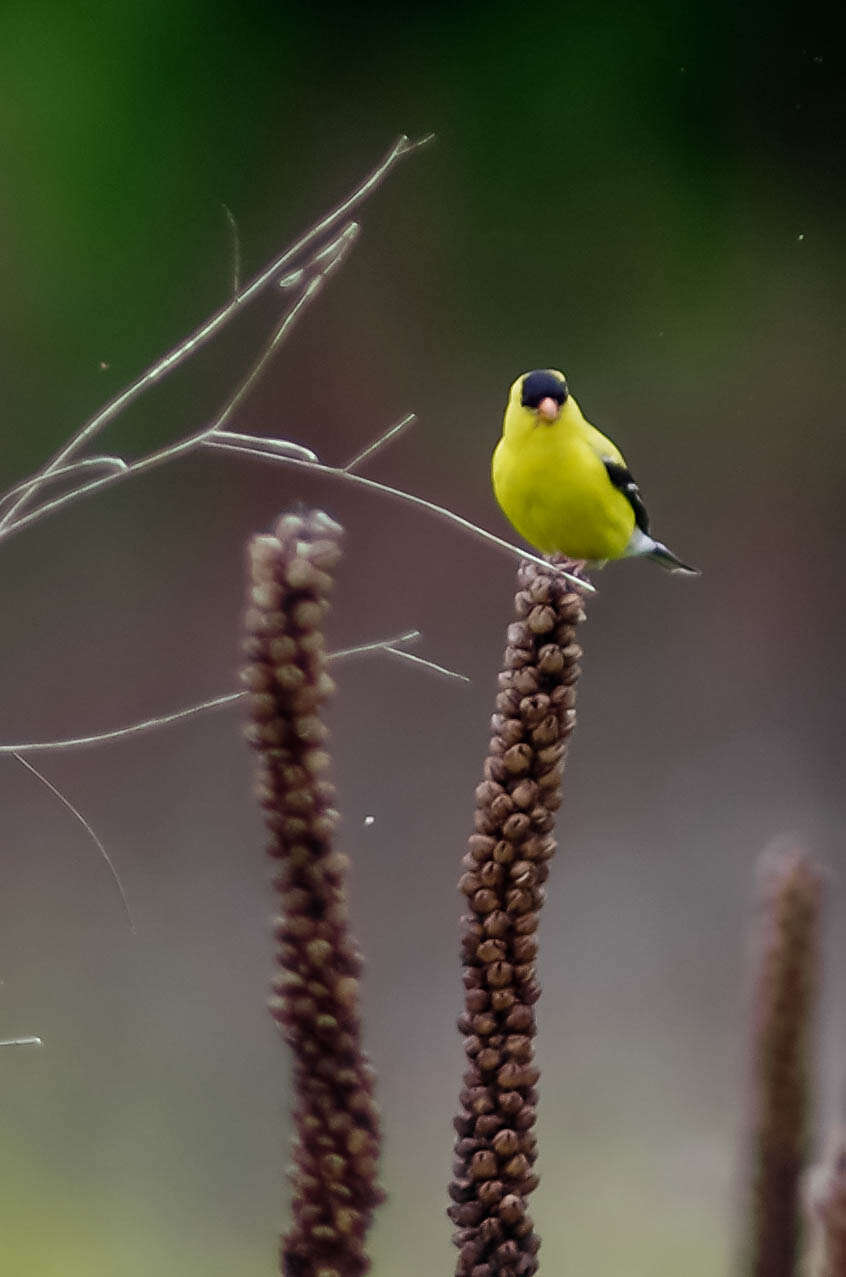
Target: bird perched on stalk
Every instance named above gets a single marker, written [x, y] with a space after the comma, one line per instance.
[564, 486]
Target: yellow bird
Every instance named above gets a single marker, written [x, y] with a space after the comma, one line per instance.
[563, 485]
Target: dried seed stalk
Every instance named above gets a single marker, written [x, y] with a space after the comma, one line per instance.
[784, 997]
[506, 867]
[316, 993]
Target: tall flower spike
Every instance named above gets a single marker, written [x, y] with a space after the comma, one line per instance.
[783, 1004]
[506, 866]
[316, 993]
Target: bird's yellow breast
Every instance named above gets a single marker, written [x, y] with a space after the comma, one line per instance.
[551, 483]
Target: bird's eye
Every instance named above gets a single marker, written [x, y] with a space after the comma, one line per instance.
[542, 384]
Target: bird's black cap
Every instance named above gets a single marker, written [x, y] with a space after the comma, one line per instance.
[542, 384]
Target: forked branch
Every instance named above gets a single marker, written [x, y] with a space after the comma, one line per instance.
[286, 261]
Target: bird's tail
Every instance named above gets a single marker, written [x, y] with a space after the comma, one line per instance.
[668, 560]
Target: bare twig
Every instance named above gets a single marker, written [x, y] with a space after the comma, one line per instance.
[271, 449]
[317, 233]
[389, 434]
[391, 645]
[361, 649]
[330, 257]
[326, 257]
[77, 814]
[441, 512]
[150, 462]
[429, 665]
[285, 447]
[236, 248]
[119, 733]
[40, 481]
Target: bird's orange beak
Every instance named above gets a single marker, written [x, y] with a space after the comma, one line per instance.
[549, 409]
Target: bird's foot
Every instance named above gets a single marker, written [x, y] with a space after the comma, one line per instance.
[575, 567]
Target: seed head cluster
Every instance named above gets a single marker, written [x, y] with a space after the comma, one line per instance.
[316, 990]
[505, 870]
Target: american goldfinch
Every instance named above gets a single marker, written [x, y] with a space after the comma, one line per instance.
[563, 485]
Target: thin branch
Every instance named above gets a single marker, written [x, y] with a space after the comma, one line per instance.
[100, 738]
[214, 435]
[441, 512]
[272, 450]
[21, 1042]
[216, 702]
[392, 646]
[285, 446]
[89, 463]
[331, 257]
[77, 814]
[380, 645]
[236, 248]
[336, 217]
[432, 665]
[389, 434]
[150, 462]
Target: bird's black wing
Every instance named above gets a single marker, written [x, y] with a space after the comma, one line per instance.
[622, 479]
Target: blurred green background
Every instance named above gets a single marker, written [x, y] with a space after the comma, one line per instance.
[647, 195]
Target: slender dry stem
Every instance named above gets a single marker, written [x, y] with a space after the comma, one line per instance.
[506, 867]
[221, 440]
[393, 646]
[288, 260]
[86, 825]
[316, 272]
